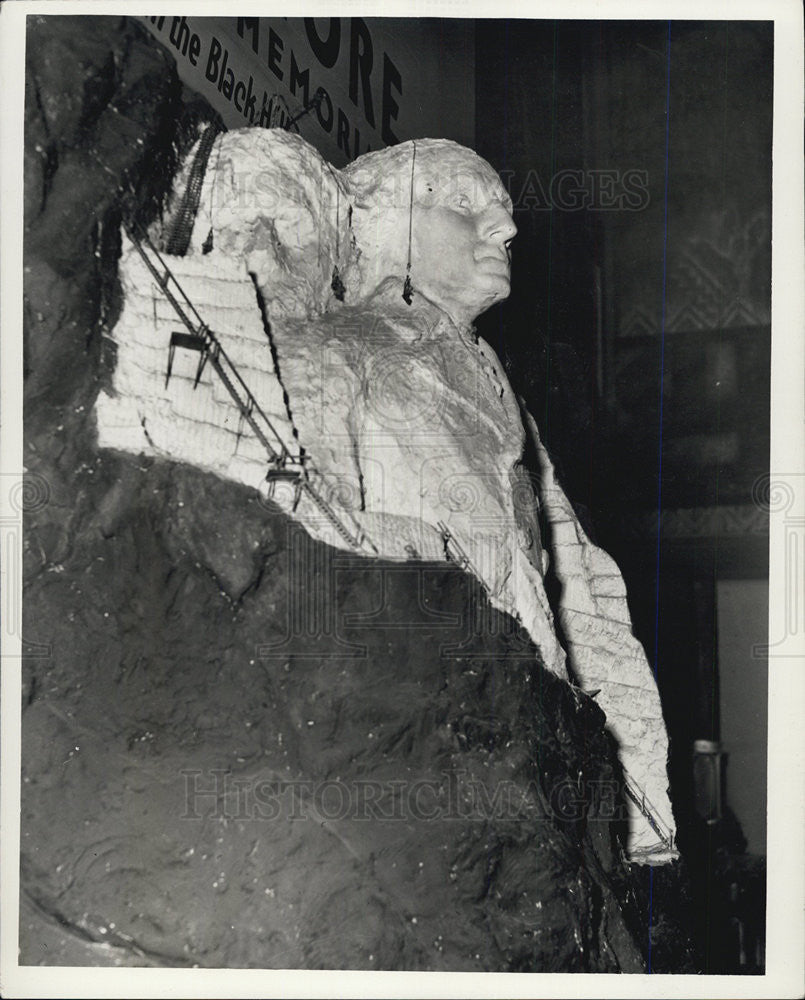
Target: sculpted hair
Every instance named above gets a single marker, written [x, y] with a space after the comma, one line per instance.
[379, 186]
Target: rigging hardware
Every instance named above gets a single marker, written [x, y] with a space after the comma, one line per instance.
[638, 796]
[458, 555]
[181, 230]
[314, 104]
[283, 466]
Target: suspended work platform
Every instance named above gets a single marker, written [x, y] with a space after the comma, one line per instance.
[285, 471]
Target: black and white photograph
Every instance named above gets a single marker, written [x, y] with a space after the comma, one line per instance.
[402, 500]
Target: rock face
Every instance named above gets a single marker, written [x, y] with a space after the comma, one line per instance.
[404, 420]
[262, 750]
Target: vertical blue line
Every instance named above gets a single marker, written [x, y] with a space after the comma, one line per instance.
[659, 444]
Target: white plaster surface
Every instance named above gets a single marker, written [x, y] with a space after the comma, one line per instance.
[406, 420]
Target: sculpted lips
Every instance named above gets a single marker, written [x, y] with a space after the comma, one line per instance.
[495, 260]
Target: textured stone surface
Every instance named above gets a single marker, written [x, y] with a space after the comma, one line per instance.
[409, 424]
[407, 418]
[172, 626]
[604, 656]
[428, 820]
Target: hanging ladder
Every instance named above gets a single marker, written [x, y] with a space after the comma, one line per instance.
[638, 796]
[197, 335]
[181, 229]
[456, 554]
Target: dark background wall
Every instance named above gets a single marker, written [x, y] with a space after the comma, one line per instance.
[638, 330]
[634, 223]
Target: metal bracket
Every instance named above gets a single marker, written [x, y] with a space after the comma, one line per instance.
[189, 341]
[243, 416]
[282, 475]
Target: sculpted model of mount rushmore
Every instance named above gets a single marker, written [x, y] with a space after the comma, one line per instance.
[345, 301]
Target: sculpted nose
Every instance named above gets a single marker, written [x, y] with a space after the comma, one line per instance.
[497, 224]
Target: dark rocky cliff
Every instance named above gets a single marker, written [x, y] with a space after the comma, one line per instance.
[239, 748]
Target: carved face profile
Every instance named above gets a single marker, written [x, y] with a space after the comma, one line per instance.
[270, 199]
[449, 207]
